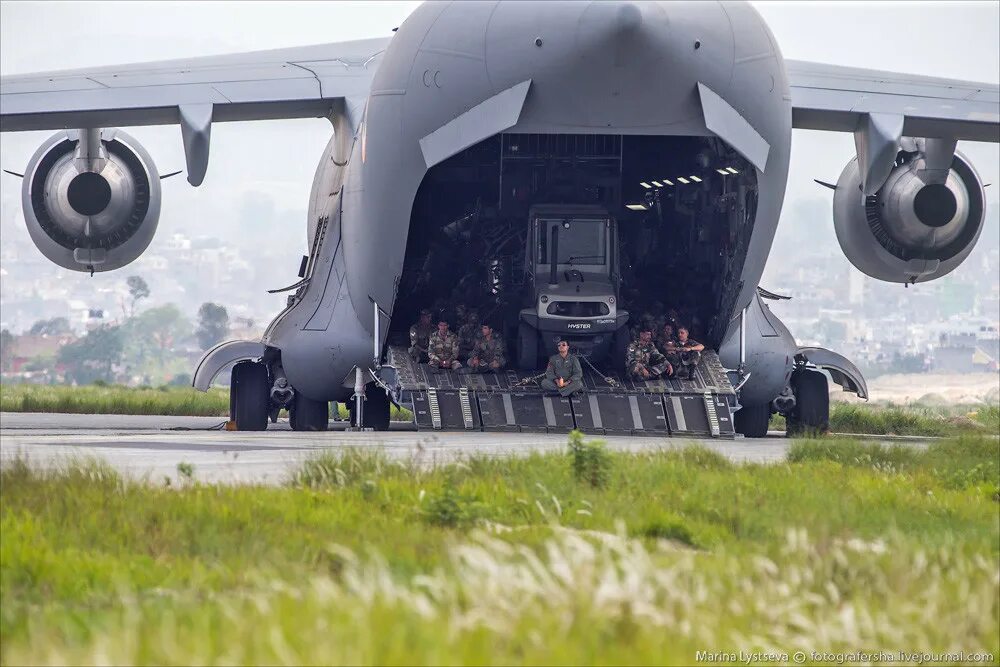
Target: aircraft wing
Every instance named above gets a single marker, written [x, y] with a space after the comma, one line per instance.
[830, 97]
[300, 82]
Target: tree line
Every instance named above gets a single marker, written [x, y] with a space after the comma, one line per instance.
[143, 344]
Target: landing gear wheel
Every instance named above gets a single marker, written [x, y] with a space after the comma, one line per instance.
[811, 414]
[751, 420]
[527, 347]
[376, 410]
[619, 350]
[305, 414]
[249, 397]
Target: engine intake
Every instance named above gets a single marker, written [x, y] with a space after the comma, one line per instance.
[920, 225]
[91, 199]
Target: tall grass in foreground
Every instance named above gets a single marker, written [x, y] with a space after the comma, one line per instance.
[361, 559]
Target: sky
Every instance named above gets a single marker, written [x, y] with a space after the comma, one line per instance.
[947, 39]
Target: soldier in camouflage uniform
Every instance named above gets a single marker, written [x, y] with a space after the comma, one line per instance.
[442, 349]
[665, 337]
[468, 333]
[643, 361]
[647, 320]
[563, 373]
[685, 353]
[420, 334]
[488, 352]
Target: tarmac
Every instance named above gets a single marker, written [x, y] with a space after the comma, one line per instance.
[151, 447]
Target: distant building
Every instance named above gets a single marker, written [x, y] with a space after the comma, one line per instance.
[967, 352]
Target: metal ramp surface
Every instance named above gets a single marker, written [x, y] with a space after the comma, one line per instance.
[452, 401]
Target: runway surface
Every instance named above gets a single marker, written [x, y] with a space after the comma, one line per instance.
[152, 446]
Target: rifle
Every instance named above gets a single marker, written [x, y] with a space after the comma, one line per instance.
[528, 380]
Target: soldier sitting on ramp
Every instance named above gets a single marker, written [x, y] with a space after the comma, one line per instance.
[643, 361]
[564, 373]
[685, 353]
[420, 334]
[442, 350]
[468, 333]
[487, 352]
[665, 337]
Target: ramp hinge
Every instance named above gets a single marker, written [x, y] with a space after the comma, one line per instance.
[463, 399]
[432, 403]
[713, 416]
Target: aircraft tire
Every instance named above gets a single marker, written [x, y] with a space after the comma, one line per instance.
[751, 420]
[527, 347]
[377, 409]
[305, 414]
[811, 414]
[249, 398]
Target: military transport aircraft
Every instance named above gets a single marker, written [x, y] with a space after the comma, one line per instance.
[562, 166]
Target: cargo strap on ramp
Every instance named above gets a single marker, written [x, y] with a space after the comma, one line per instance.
[502, 401]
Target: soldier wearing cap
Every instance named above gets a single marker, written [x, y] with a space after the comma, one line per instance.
[487, 352]
[643, 361]
[420, 334]
[563, 373]
[442, 349]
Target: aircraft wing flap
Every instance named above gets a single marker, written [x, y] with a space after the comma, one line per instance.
[283, 83]
[830, 97]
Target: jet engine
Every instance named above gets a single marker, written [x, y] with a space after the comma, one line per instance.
[91, 199]
[920, 225]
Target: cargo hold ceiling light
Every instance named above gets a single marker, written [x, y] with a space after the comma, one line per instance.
[667, 182]
[681, 179]
[645, 184]
[695, 179]
[723, 172]
[658, 184]
[636, 207]
[731, 170]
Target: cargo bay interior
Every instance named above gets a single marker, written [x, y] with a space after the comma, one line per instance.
[685, 208]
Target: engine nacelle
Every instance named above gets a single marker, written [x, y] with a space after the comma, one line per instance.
[920, 225]
[91, 199]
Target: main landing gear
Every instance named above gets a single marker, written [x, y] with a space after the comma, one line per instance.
[305, 414]
[751, 420]
[250, 402]
[811, 414]
[249, 396]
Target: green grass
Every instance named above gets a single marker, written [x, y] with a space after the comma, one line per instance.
[119, 400]
[585, 557]
[114, 400]
[918, 420]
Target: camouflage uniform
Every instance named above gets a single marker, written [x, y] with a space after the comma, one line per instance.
[645, 357]
[567, 369]
[419, 340]
[488, 353]
[663, 341]
[683, 358]
[443, 349]
[469, 334]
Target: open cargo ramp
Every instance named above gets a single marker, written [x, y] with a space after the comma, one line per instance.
[497, 401]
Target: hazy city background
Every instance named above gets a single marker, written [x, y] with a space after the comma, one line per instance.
[243, 231]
